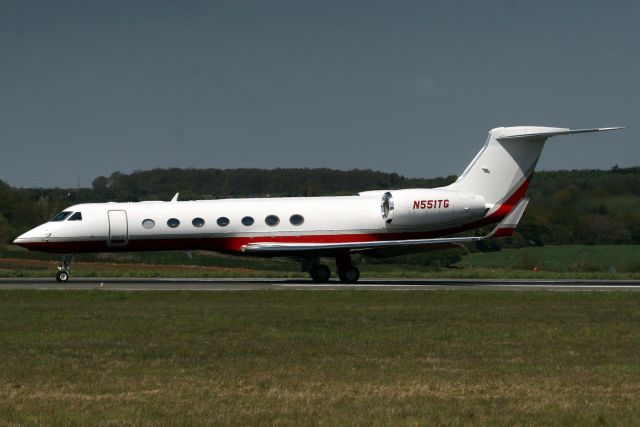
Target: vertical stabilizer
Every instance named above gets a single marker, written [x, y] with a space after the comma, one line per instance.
[502, 169]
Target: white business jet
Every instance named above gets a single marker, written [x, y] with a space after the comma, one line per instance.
[382, 223]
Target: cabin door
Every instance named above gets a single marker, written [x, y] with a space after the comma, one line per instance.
[118, 228]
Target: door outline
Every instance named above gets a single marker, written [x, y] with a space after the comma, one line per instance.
[116, 218]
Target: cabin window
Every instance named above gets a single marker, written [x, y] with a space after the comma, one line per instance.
[148, 223]
[296, 219]
[61, 216]
[197, 222]
[223, 221]
[272, 220]
[76, 217]
[173, 222]
[247, 220]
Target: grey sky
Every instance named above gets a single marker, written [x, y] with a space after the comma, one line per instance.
[91, 87]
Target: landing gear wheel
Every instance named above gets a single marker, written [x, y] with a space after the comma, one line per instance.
[320, 273]
[63, 269]
[62, 276]
[350, 275]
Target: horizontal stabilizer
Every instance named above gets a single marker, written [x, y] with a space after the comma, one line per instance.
[537, 133]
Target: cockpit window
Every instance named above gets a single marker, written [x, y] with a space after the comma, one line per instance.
[76, 217]
[61, 216]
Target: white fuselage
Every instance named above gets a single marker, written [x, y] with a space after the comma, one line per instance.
[218, 224]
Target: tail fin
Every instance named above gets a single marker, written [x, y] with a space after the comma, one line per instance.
[505, 164]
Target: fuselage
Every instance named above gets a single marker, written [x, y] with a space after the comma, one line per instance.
[227, 225]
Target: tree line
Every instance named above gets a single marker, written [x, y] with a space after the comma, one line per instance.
[579, 206]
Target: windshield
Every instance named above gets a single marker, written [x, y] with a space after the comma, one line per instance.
[61, 216]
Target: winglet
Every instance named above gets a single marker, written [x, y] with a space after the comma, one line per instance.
[508, 225]
[175, 198]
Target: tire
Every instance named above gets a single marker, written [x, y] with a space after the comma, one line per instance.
[349, 276]
[320, 273]
[62, 276]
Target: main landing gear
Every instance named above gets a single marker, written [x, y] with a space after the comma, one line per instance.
[63, 269]
[320, 273]
[347, 272]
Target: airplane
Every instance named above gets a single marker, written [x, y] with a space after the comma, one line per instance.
[490, 191]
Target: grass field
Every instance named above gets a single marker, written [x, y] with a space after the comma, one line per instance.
[565, 259]
[331, 357]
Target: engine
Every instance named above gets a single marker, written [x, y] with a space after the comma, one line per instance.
[420, 208]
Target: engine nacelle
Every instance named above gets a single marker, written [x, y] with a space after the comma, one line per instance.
[419, 208]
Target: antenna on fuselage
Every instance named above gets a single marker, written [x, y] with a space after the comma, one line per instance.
[175, 198]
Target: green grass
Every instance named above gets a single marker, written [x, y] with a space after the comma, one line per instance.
[198, 258]
[331, 357]
[567, 259]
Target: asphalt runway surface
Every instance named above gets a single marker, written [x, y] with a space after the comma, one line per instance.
[118, 284]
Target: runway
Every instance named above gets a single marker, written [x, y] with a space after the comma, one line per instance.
[126, 284]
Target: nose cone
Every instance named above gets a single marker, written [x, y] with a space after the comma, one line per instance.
[34, 238]
[21, 241]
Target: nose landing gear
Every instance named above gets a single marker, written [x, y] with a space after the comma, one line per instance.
[63, 269]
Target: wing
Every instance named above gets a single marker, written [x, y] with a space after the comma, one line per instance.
[505, 228]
